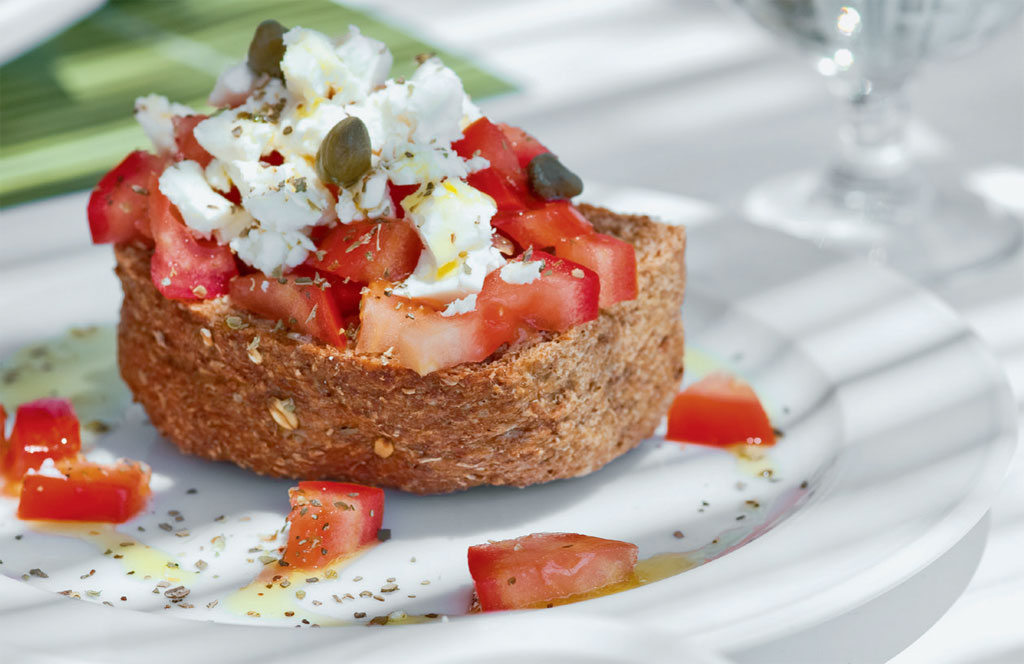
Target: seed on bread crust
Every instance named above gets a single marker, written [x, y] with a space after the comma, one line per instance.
[383, 448]
[283, 413]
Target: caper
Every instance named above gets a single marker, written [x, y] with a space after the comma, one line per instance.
[549, 179]
[267, 48]
[344, 154]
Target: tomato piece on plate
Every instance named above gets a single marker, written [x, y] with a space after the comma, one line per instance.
[398, 192]
[565, 294]
[543, 227]
[366, 251]
[719, 409]
[418, 337]
[184, 267]
[524, 146]
[43, 429]
[119, 205]
[530, 571]
[505, 180]
[86, 492]
[329, 520]
[613, 260]
[184, 138]
[307, 308]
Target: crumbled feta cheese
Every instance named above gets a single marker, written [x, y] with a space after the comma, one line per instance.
[451, 218]
[521, 272]
[367, 59]
[268, 251]
[202, 209]
[216, 173]
[411, 124]
[465, 278]
[313, 70]
[434, 105]
[233, 86]
[47, 469]
[155, 113]
[285, 197]
[462, 305]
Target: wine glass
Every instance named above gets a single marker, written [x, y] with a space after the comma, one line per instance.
[873, 199]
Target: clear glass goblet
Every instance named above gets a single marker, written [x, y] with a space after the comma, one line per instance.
[873, 199]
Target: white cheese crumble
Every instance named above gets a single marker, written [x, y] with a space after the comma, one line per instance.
[462, 305]
[233, 86]
[155, 113]
[521, 272]
[412, 124]
[203, 210]
[47, 469]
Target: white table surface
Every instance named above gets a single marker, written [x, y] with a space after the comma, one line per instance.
[689, 97]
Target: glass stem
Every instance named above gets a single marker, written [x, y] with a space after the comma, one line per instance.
[873, 171]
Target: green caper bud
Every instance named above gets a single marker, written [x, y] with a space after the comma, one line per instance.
[344, 154]
[549, 179]
[267, 48]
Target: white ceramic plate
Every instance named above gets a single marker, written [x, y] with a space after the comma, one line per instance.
[898, 428]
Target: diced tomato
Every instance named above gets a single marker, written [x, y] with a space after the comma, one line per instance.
[531, 571]
[420, 338]
[719, 409]
[504, 180]
[307, 308]
[275, 158]
[329, 520]
[524, 146]
[346, 295]
[566, 294]
[119, 205]
[88, 492]
[184, 138]
[365, 251]
[3, 431]
[184, 267]
[613, 260]
[398, 192]
[543, 227]
[43, 429]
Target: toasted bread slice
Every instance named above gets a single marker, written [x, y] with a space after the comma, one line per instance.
[556, 407]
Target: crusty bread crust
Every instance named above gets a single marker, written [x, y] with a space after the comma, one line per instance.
[561, 406]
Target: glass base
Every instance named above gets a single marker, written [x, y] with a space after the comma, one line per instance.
[951, 232]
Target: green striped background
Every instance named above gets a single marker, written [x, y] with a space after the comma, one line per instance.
[66, 106]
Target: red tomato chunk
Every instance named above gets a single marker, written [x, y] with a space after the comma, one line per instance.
[420, 338]
[505, 180]
[528, 572]
[613, 260]
[305, 307]
[330, 520]
[524, 146]
[719, 409]
[566, 294]
[43, 429]
[184, 267]
[119, 205]
[365, 251]
[543, 227]
[88, 492]
[184, 138]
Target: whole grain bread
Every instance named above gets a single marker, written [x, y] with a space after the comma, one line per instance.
[556, 407]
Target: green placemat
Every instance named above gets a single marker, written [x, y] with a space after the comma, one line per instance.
[66, 106]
